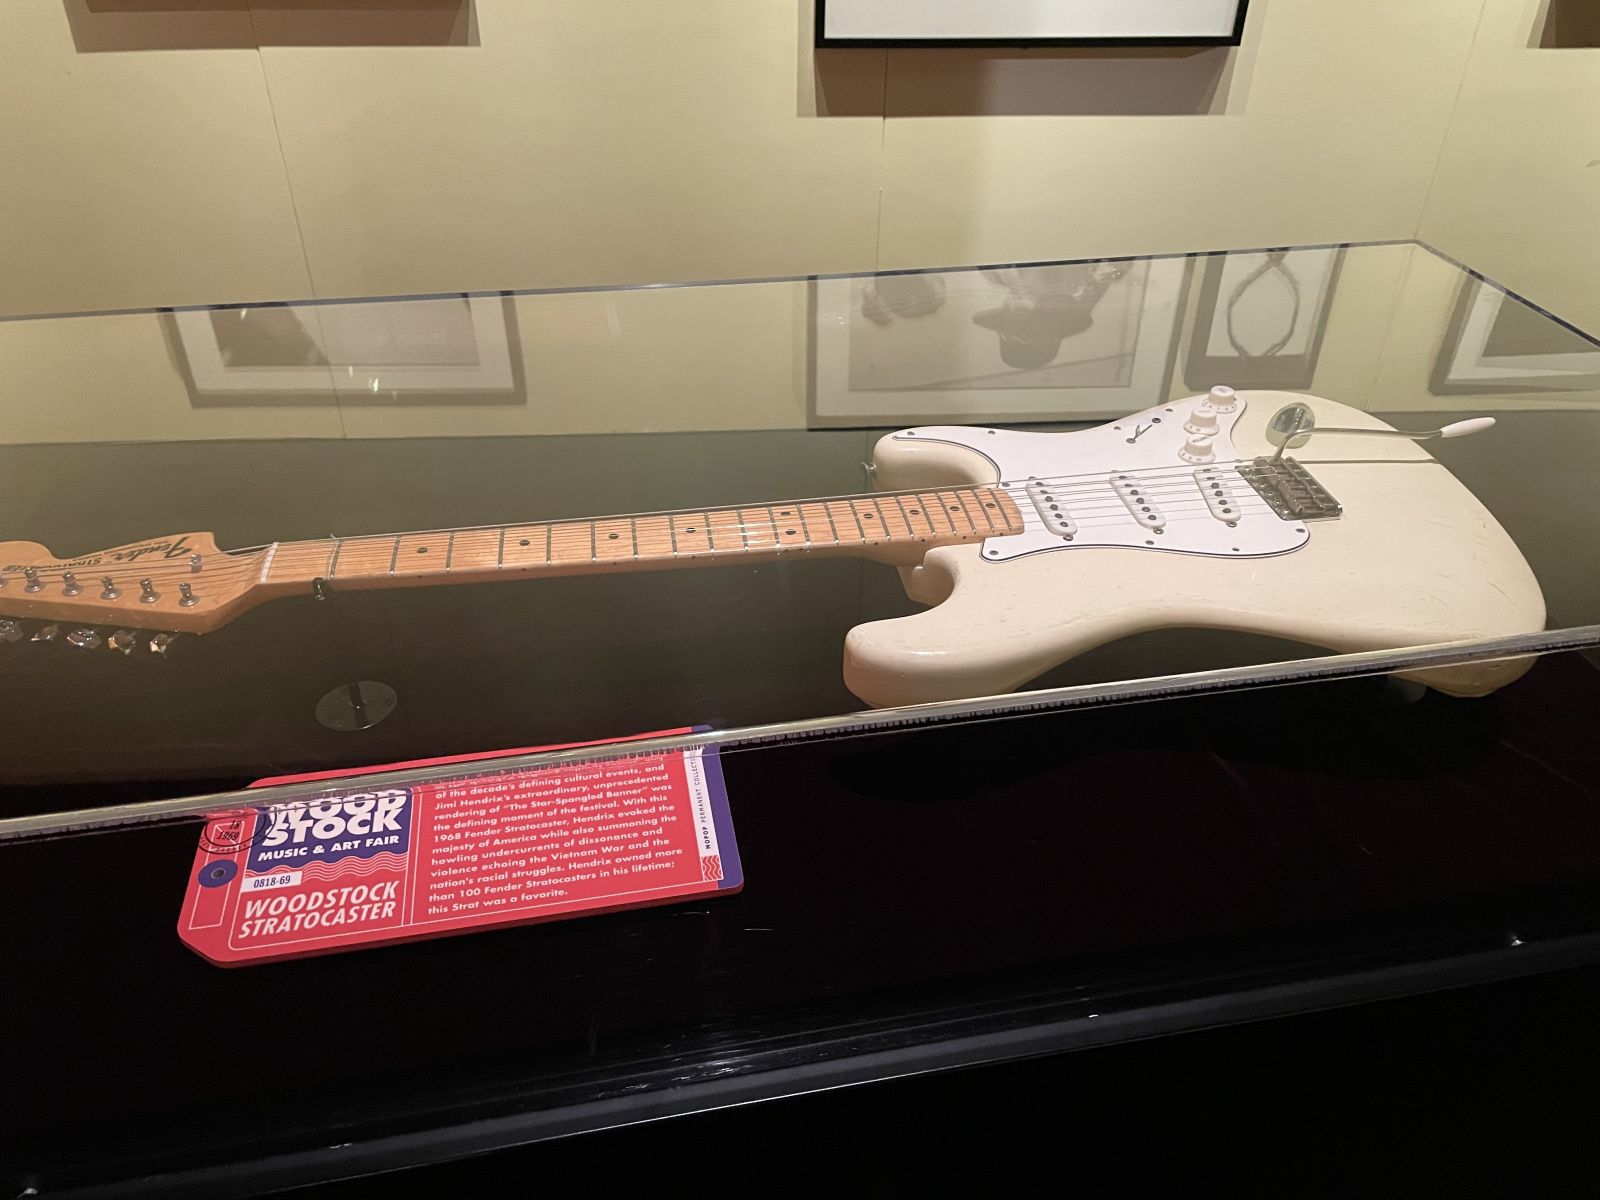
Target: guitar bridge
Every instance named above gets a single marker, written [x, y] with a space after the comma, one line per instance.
[1290, 491]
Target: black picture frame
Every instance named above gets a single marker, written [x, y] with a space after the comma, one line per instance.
[823, 42]
[1288, 372]
[1446, 378]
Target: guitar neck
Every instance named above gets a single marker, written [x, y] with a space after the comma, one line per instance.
[893, 527]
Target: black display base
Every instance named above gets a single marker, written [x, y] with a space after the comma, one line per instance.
[914, 902]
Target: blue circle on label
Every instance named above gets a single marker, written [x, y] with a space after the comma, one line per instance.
[215, 874]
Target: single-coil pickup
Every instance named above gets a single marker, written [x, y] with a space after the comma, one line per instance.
[1136, 496]
[1213, 483]
[1048, 501]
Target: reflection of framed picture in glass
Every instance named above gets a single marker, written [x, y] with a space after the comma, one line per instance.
[1056, 342]
[1495, 343]
[441, 350]
[1260, 316]
[1029, 22]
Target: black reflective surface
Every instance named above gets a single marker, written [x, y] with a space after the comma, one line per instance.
[1002, 887]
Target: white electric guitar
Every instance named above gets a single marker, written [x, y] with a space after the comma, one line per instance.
[1028, 548]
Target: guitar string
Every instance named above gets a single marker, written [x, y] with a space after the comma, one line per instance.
[1097, 478]
[243, 563]
[227, 578]
[1029, 524]
[248, 560]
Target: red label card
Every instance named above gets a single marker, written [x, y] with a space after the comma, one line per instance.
[367, 866]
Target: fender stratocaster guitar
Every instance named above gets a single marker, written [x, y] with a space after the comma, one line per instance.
[1028, 548]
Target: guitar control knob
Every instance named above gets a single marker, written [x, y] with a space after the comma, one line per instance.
[1197, 449]
[123, 641]
[1222, 399]
[84, 638]
[10, 631]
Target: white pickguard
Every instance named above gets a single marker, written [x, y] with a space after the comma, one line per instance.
[1128, 484]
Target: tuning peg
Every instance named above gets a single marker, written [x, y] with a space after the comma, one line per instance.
[46, 633]
[123, 641]
[31, 574]
[162, 642]
[69, 584]
[84, 638]
[147, 592]
[186, 596]
[108, 588]
[10, 631]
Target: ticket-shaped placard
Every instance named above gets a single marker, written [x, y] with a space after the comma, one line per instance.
[367, 866]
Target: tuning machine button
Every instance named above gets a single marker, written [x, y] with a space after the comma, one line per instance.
[84, 638]
[108, 588]
[46, 633]
[123, 641]
[35, 584]
[162, 642]
[10, 631]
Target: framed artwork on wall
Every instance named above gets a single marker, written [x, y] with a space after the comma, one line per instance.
[439, 350]
[1029, 22]
[1260, 316]
[1057, 342]
[1494, 343]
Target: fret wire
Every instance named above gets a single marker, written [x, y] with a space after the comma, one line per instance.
[1094, 477]
[832, 528]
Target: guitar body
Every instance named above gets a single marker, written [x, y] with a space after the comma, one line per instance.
[1414, 558]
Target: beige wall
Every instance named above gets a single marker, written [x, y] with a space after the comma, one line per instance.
[203, 152]
[1517, 191]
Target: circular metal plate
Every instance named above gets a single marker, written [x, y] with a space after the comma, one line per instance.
[359, 705]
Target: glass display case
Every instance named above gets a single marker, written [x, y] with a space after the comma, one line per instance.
[826, 530]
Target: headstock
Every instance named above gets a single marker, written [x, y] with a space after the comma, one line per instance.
[130, 598]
